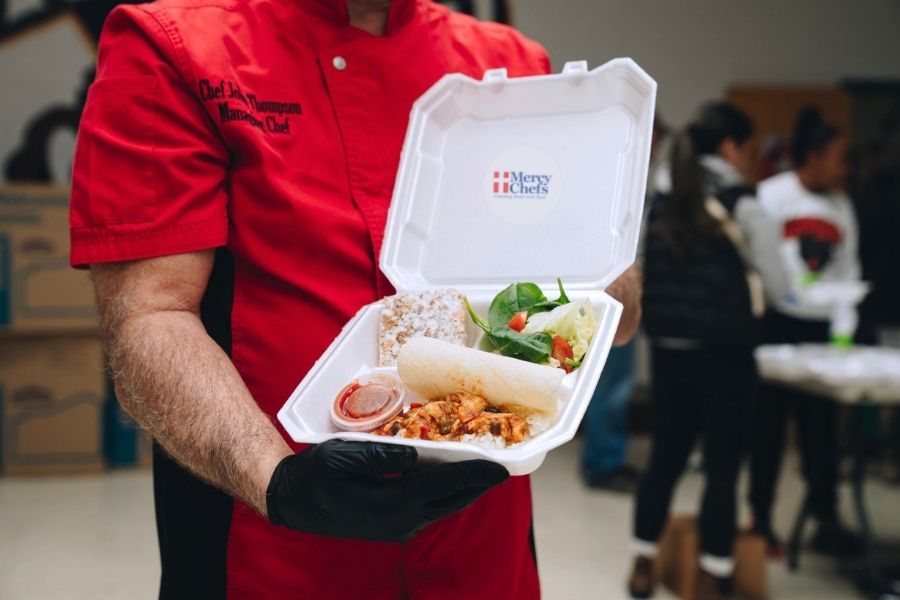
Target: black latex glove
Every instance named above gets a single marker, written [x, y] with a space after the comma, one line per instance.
[339, 489]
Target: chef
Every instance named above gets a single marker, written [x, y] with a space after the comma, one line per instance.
[233, 172]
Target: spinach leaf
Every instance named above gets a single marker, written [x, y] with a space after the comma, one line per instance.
[533, 347]
[549, 305]
[481, 323]
[563, 299]
[515, 298]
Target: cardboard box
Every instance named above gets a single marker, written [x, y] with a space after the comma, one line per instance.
[120, 434]
[39, 292]
[125, 444]
[144, 449]
[679, 553]
[52, 391]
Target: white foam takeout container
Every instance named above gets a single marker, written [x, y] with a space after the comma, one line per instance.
[474, 209]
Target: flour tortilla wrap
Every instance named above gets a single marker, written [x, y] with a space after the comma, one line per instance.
[434, 368]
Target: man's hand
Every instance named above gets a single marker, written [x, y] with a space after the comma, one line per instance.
[627, 289]
[342, 489]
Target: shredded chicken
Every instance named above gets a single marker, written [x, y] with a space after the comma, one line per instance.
[455, 416]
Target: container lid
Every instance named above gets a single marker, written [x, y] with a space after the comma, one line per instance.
[522, 179]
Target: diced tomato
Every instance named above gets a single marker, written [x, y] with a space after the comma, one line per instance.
[413, 405]
[517, 323]
[561, 351]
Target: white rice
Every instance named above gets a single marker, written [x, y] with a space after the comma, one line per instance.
[537, 424]
[488, 440]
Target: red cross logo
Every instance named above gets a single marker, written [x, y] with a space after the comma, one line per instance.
[501, 182]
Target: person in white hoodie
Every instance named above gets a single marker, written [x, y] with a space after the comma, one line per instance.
[818, 243]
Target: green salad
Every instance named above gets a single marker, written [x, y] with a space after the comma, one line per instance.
[523, 323]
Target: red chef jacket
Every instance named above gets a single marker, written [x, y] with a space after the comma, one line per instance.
[271, 130]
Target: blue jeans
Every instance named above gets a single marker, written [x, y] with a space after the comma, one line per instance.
[606, 420]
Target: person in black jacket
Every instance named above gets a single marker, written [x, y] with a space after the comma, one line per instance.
[701, 306]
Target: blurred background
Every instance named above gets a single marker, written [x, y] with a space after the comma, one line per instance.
[76, 514]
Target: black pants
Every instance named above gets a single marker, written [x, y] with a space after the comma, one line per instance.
[706, 393]
[816, 419]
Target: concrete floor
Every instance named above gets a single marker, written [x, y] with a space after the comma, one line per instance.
[92, 537]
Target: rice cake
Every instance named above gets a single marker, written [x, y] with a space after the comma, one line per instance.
[439, 314]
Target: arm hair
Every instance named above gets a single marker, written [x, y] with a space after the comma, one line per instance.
[173, 379]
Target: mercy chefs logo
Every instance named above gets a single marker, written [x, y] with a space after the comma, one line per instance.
[520, 184]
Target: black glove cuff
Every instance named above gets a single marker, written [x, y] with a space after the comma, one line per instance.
[275, 482]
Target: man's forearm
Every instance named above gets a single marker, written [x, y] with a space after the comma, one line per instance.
[627, 289]
[178, 384]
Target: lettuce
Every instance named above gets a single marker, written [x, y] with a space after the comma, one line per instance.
[575, 322]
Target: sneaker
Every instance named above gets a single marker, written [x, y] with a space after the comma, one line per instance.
[640, 584]
[834, 539]
[710, 587]
[623, 480]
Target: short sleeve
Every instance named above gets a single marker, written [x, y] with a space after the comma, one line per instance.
[149, 175]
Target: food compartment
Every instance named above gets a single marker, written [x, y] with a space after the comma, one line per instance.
[307, 414]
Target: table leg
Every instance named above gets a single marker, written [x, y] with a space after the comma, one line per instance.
[812, 474]
[793, 549]
[873, 558]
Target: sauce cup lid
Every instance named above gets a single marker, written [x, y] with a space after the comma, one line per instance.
[384, 413]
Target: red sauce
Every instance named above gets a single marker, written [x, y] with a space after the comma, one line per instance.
[359, 401]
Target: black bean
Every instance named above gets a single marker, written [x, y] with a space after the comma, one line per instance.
[492, 409]
[395, 428]
[495, 428]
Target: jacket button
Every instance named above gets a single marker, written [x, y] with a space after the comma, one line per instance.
[339, 63]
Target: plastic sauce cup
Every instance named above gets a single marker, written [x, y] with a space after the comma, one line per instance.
[368, 402]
